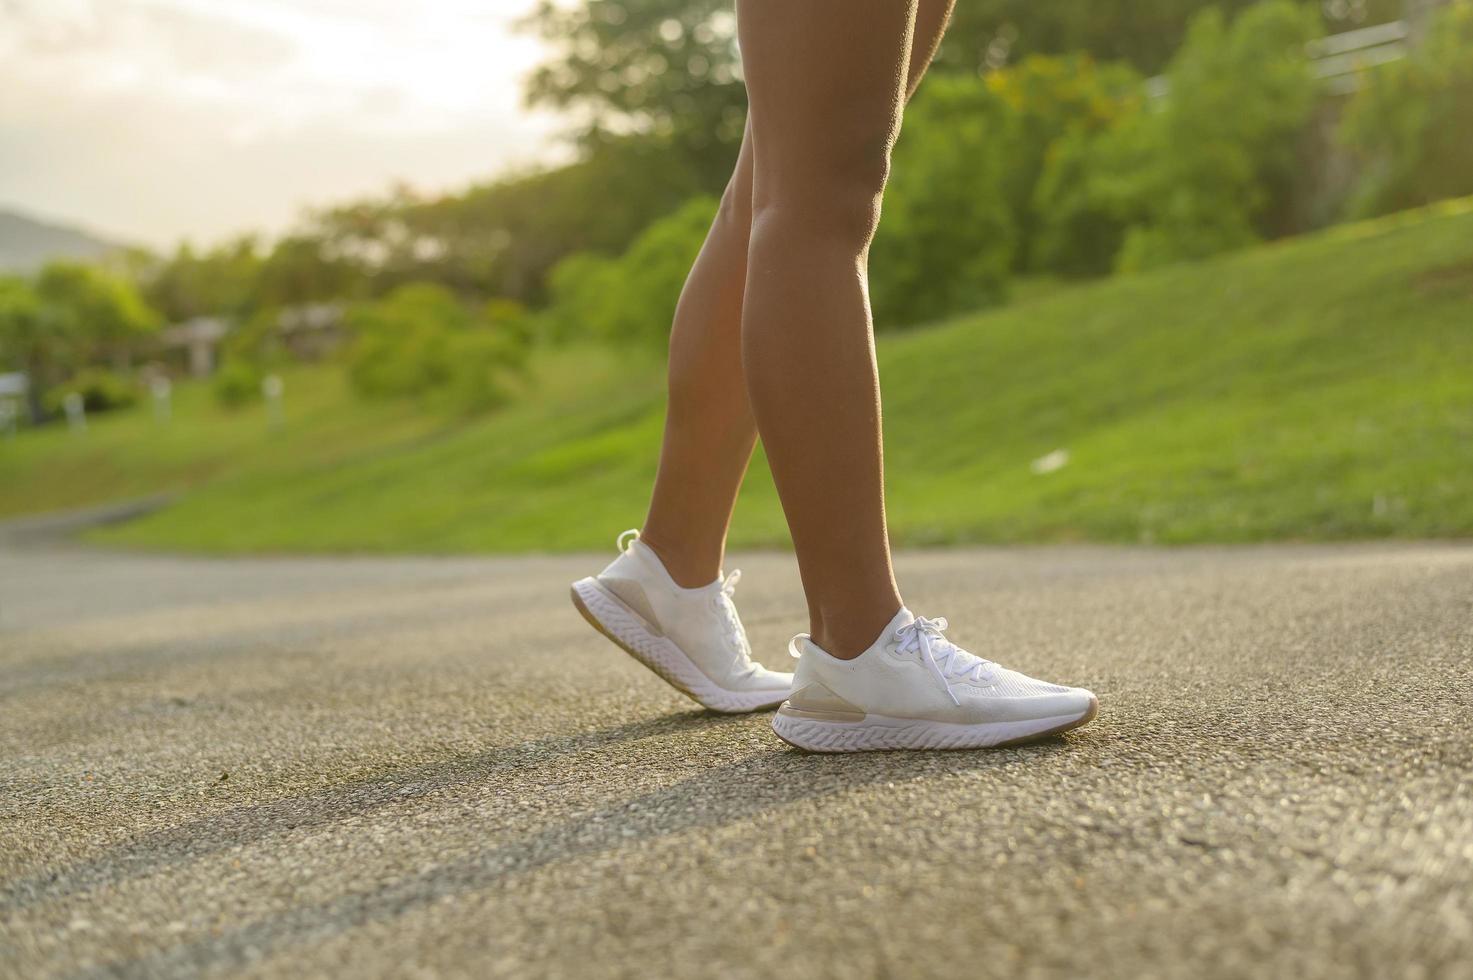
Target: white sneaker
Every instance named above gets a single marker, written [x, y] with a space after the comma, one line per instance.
[692, 638]
[915, 689]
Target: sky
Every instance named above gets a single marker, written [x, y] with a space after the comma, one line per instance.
[156, 120]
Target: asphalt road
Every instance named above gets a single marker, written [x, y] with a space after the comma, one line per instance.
[434, 767]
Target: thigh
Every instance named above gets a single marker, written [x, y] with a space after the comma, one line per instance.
[826, 82]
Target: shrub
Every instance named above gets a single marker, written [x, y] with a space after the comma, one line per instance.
[1409, 126]
[101, 391]
[630, 299]
[581, 290]
[102, 314]
[421, 341]
[653, 270]
[1209, 168]
[1050, 101]
[237, 383]
[947, 238]
[256, 340]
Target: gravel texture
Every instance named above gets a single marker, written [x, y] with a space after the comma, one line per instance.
[422, 767]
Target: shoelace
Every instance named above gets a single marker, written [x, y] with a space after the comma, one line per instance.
[726, 606]
[919, 635]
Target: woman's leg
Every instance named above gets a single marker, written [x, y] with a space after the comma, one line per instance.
[826, 82]
[931, 19]
[709, 432]
[709, 429]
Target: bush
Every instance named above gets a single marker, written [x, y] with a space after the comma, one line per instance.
[631, 298]
[1051, 100]
[653, 270]
[947, 238]
[421, 341]
[256, 340]
[1409, 126]
[237, 383]
[1207, 170]
[101, 391]
[580, 291]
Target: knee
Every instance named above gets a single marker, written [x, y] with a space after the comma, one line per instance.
[735, 209]
[834, 194]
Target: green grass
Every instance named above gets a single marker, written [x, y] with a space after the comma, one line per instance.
[1319, 388]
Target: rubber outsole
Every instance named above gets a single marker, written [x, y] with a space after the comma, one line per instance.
[627, 630]
[880, 734]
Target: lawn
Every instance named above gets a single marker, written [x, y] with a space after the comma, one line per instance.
[1318, 388]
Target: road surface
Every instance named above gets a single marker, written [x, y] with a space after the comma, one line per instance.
[415, 767]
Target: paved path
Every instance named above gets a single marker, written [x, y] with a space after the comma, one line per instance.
[434, 767]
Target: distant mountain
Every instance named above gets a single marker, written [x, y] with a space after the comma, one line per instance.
[27, 243]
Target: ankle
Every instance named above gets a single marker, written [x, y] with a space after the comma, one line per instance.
[690, 571]
[846, 636]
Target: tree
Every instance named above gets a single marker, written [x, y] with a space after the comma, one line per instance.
[1048, 99]
[1211, 167]
[631, 299]
[667, 68]
[988, 34]
[1409, 125]
[101, 315]
[947, 237]
[422, 341]
[25, 343]
[305, 268]
[219, 282]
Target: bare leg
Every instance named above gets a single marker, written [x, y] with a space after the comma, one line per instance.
[709, 431]
[826, 81]
[931, 20]
[709, 428]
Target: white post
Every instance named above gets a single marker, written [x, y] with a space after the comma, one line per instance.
[163, 393]
[272, 387]
[76, 411]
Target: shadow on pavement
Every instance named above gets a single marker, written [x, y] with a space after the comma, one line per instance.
[255, 822]
[760, 783]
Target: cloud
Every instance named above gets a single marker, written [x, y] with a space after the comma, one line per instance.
[161, 117]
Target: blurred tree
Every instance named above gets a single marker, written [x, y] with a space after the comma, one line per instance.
[26, 343]
[219, 282]
[672, 65]
[653, 270]
[987, 34]
[630, 299]
[101, 390]
[421, 340]
[501, 238]
[71, 316]
[1047, 99]
[306, 268]
[947, 236]
[1209, 168]
[237, 383]
[581, 290]
[100, 314]
[667, 68]
[1410, 124]
[959, 214]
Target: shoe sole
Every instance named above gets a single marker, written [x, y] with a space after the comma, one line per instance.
[877, 733]
[608, 614]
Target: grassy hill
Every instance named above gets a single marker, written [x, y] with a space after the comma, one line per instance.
[1316, 388]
